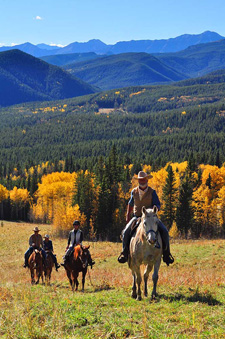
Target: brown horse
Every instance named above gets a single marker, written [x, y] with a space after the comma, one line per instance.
[145, 248]
[35, 263]
[77, 262]
[49, 266]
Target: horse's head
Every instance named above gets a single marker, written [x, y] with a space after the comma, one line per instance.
[37, 257]
[150, 224]
[84, 255]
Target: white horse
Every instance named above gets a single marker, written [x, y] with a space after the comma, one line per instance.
[145, 248]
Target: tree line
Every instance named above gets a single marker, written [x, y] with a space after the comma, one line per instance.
[192, 196]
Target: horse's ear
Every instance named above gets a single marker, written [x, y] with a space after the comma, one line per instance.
[155, 209]
[143, 210]
[87, 247]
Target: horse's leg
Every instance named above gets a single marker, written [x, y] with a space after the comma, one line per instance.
[83, 278]
[134, 290]
[76, 281]
[38, 274]
[69, 274]
[32, 276]
[138, 274]
[146, 274]
[42, 277]
[155, 277]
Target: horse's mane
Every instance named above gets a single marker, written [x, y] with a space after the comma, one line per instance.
[77, 250]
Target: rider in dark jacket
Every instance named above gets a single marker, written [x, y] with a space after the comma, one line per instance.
[48, 247]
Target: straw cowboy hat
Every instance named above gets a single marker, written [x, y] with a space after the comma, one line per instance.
[142, 175]
[36, 229]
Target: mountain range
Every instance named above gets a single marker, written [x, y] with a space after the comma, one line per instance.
[97, 46]
[25, 78]
[141, 68]
[31, 79]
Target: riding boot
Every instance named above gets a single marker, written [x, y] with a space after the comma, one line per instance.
[167, 256]
[25, 263]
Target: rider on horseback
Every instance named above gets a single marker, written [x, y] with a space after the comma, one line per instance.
[48, 247]
[75, 238]
[143, 195]
[35, 242]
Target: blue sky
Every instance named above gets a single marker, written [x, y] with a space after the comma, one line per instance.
[65, 21]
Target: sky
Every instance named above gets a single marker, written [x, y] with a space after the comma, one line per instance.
[61, 22]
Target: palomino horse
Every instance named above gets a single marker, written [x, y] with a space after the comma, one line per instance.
[145, 248]
[35, 262]
[49, 266]
[77, 262]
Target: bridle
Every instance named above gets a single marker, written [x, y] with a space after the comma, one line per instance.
[157, 245]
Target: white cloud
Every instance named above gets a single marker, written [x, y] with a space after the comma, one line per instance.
[58, 45]
[38, 17]
[14, 44]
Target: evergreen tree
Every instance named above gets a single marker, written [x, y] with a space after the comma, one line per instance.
[169, 198]
[34, 182]
[84, 195]
[184, 212]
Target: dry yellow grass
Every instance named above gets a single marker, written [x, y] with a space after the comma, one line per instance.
[190, 304]
[188, 270]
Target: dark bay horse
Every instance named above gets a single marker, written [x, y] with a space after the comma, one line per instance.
[49, 266]
[35, 263]
[145, 248]
[77, 262]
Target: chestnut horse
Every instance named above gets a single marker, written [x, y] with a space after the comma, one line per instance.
[77, 262]
[35, 263]
[145, 248]
[49, 266]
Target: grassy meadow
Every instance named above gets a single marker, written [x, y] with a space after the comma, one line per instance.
[190, 302]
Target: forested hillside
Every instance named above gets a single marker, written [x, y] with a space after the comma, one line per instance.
[24, 78]
[154, 124]
[124, 70]
[197, 60]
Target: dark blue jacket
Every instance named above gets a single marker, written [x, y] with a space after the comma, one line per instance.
[47, 246]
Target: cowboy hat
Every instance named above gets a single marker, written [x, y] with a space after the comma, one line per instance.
[142, 175]
[36, 229]
[46, 236]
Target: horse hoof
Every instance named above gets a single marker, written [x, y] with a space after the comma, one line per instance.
[153, 296]
[138, 298]
[145, 294]
[134, 296]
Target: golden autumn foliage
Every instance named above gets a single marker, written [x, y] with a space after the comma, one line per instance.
[65, 215]
[19, 196]
[53, 198]
[4, 193]
[54, 188]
